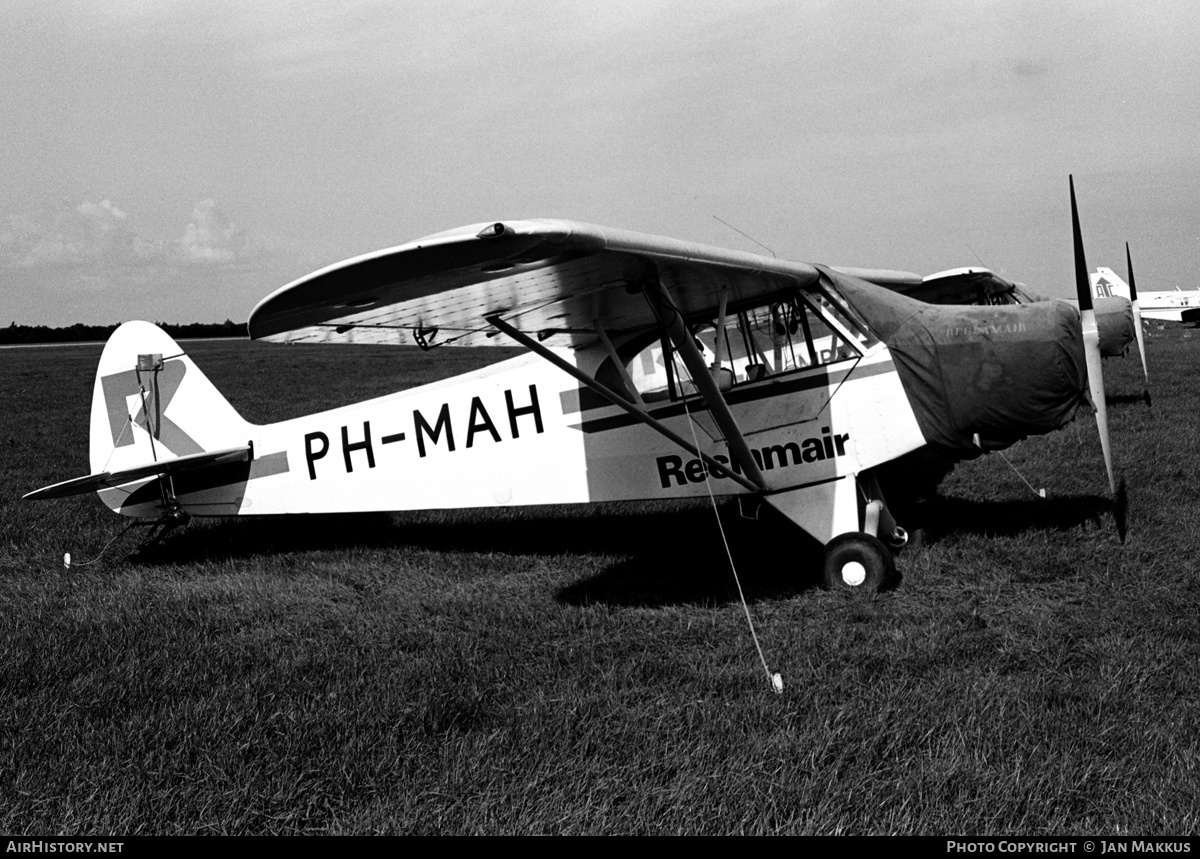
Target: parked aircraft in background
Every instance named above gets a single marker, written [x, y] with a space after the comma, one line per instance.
[657, 369]
[1168, 305]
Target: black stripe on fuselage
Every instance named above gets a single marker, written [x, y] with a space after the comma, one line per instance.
[778, 386]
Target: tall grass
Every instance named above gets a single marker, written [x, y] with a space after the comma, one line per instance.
[589, 670]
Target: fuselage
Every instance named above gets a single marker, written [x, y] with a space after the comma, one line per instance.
[521, 432]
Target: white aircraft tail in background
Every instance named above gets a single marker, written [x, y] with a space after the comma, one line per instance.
[1169, 305]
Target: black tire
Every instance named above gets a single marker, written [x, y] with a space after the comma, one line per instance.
[858, 562]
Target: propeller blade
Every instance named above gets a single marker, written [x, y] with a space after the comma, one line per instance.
[1091, 340]
[1137, 319]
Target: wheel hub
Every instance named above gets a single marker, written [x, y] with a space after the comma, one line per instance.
[853, 573]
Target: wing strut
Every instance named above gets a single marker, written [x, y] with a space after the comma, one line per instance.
[702, 376]
[618, 364]
[617, 400]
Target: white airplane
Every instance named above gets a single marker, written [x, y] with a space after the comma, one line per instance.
[1169, 305]
[657, 369]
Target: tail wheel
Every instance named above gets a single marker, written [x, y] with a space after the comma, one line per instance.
[858, 562]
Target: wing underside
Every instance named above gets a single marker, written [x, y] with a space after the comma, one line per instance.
[555, 280]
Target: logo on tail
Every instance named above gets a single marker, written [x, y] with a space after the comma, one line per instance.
[155, 383]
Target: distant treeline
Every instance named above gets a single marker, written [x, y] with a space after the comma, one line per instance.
[79, 333]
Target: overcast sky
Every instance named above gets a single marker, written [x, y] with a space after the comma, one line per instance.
[179, 161]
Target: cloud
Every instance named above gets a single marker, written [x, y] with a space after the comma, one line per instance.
[211, 238]
[86, 235]
[97, 239]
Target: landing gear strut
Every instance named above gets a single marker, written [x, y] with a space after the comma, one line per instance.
[860, 560]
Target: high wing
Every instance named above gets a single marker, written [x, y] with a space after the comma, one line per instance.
[552, 279]
[968, 285]
[899, 281]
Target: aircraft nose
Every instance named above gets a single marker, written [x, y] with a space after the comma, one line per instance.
[1000, 374]
[981, 377]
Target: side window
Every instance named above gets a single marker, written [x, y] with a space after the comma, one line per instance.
[848, 339]
[724, 350]
[780, 342]
[828, 343]
[649, 373]
[761, 341]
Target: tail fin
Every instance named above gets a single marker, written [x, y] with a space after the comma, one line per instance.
[164, 442]
[151, 403]
[1106, 283]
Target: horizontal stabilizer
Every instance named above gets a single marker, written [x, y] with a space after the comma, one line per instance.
[108, 479]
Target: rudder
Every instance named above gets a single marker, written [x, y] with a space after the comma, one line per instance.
[151, 403]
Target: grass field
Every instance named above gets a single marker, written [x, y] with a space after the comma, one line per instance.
[587, 671]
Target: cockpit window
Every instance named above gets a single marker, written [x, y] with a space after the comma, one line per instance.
[786, 334]
[847, 327]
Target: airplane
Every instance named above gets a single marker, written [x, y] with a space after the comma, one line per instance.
[656, 369]
[1169, 305]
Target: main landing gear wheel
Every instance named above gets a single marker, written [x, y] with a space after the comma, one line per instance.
[858, 562]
